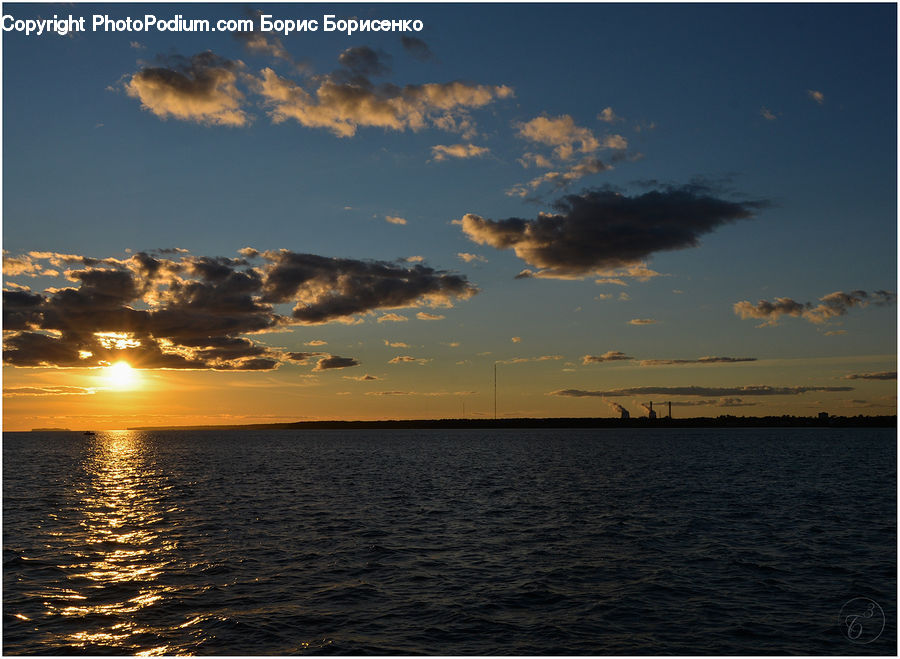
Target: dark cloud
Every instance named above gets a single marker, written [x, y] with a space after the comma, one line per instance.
[196, 312]
[328, 289]
[882, 375]
[721, 402]
[417, 48]
[601, 230]
[333, 361]
[749, 390]
[830, 306]
[201, 88]
[700, 360]
[364, 61]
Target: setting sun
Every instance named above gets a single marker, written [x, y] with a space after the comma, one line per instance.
[120, 375]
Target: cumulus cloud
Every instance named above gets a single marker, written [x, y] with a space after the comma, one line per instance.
[642, 321]
[202, 88]
[566, 136]
[830, 306]
[567, 140]
[516, 339]
[609, 356]
[195, 312]
[468, 258]
[600, 230]
[342, 103]
[333, 361]
[749, 390]
[361, 378]
[881, 375]
[443, 151]
[315, 342]
[392, 318]
[392, 219]
[699, 360]
[395, 344]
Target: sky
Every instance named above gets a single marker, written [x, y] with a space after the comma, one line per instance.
[613, 204]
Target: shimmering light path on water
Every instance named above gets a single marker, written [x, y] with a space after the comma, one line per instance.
[450, 542]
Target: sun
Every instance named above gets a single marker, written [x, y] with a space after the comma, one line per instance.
[120, 375]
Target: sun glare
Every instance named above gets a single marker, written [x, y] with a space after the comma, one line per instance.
[120, 375]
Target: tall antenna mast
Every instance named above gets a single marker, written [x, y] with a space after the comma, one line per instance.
[495, 390]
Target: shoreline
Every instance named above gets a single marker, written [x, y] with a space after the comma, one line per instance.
[561, 423]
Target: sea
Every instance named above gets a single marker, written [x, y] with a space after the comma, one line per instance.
[451, 542]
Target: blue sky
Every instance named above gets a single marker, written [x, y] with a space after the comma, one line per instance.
[792, 106]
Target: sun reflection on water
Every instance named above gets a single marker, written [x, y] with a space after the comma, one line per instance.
[118, 549]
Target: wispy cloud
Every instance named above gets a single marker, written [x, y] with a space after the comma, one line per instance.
[407, 359]
[699, 360]
[881, 375]
[830, 306]
[392, 219]
[49, 391]
[443, 151]
[469, 258]
[815, 95]
[749, 390]
[609, 356]
[642, 321]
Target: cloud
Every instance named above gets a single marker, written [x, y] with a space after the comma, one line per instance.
[392, 318]
[196, 312]
[364, 61]
[835, 332]
[516, 339]
[342, 103]
[424, 315]
[830, 306]
[560, 179]
[817, 96]
[523, 360]
[882, 375]
[420, 393]
[442, 152]
[315, 342]
[609, 356]
[749, 390]
[327, 289]
[266, 43]
[602, 229]
[642, 321]
[395, 344]
[201, 88]
[608, 116]
[394, 220]
[333, 361]
[48, 391]
[721, 402]
[699, 360]
[468, 258]
[137, 45]
[361, 378]
[406, 359]
[767, 114]
[567, 137]
[417, 48]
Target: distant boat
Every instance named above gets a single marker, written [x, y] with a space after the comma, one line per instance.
[89, 432]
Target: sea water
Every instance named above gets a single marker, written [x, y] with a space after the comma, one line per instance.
[605, 541]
